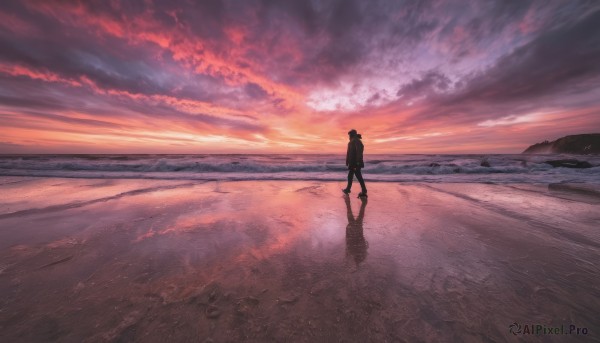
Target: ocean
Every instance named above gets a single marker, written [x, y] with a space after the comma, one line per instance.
[503, 168]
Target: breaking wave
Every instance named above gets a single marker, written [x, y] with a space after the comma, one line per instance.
[442, 168]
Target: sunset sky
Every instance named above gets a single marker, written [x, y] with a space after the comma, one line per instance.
[164, 76]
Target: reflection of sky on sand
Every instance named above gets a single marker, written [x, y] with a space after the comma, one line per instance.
[39, 193]
[283, 261]
[249, 222]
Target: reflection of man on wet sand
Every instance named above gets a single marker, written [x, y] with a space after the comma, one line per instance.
[356, 245]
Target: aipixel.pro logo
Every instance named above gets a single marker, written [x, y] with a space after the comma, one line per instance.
[539, 329]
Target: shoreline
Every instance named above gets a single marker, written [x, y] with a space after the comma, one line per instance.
[433, 178]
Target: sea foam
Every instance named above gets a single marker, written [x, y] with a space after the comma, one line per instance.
[400, 168]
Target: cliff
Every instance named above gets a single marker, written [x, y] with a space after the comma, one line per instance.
[575, 144]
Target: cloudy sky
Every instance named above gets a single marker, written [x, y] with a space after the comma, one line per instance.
[164, 76]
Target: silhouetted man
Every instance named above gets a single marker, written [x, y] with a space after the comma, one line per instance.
[354, 161]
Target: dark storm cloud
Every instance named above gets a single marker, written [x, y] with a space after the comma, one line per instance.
[555, 61]
[430, 83]
[23, 93]
[301, 12]
[133, 73]
[373, 98]
[549, 71]
[255, 91]
[332, 37]
[356, 31]
[111, 63]
[499, 14]
[78, 58]
[194, 119]
[30, 98]
[100, 124]
[27, 102]
[207, 18]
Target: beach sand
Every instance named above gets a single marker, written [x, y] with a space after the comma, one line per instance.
[164, 261]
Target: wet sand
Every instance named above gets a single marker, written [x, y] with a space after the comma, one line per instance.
[164, 261]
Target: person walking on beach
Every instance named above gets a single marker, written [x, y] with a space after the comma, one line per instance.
[354, 161]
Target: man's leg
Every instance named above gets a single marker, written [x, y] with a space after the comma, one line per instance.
[350, 177]
[360, 179]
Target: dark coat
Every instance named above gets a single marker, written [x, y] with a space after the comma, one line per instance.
[354, 154]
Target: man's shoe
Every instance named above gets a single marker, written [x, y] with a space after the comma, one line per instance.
[346, 191]
[362, 195]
